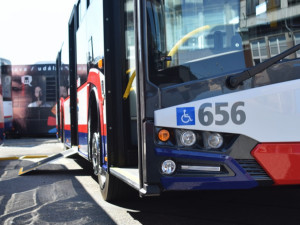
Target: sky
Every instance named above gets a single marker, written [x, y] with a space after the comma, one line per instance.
[33, 31]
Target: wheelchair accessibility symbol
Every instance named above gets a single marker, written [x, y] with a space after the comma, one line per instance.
[185, 116]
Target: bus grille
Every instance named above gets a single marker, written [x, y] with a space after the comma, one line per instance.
[254, 169]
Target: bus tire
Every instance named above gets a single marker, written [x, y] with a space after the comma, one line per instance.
[111, 188]
[96, 152]
[109, 185]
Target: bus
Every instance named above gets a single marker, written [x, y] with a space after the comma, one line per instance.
[34, 96]
[181, 95]
[2, 136]
[6, 80]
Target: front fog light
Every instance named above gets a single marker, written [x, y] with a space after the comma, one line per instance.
[168, 167]
[188, 138]
[215, 140]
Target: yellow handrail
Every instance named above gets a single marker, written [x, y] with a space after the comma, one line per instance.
[171, 53]
[184, 39]
[127, 91]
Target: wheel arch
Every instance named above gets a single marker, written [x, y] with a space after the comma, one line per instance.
[94, 115]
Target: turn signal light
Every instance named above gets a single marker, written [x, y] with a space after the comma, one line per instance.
[163, 135]
[100, 64]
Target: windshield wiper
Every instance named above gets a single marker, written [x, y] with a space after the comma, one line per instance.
[234, 80]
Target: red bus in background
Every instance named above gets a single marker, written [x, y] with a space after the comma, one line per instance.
[33, 94]
[6, 95]
[1, 107]
[1, 115]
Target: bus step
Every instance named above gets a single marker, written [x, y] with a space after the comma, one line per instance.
[47, 160]
[128, 175]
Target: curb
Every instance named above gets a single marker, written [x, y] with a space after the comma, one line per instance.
[23, 157]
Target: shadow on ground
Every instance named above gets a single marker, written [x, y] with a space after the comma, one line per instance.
[51, 195]
[266, 206]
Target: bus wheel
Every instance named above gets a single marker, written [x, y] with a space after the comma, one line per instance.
[96, 153]
[112, 189]
[108, 184]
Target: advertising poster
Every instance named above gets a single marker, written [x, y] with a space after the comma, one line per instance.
[34, 95]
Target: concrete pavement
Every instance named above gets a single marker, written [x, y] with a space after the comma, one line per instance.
[61, 192]
[29, 148]
[66, 192]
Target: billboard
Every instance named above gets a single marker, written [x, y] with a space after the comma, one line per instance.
[34, 96]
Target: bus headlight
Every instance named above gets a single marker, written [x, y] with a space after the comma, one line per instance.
[215, 140]
[188, 138]
[168, 167]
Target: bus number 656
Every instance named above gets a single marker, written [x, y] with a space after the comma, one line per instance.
[235, 113]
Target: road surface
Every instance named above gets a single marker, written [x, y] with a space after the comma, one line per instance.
[65, 192]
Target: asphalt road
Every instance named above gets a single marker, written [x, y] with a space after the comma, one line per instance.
[65, 192]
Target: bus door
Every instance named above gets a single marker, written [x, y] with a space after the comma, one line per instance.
[72, 103]
[130, 93]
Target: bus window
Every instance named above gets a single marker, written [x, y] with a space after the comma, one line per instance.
[185, 32]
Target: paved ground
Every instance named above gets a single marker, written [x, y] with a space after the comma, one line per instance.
[30, 147]
[58, 193]
[64, 192]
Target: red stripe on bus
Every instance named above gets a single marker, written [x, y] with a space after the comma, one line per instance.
[104, 133]
[280, 160]
[78, 89]
[83, 128]
[67, 127]
[82, 86]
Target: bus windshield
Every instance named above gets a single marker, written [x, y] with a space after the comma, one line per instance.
[196, 40]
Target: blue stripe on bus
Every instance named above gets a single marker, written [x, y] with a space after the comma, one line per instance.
[240, 180]
[68, 138]
[83, 142]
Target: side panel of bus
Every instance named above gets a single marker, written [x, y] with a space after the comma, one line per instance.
[7, 98]
[6, 79]
[89, 48]
[67, 122]
[1, 114]
[8, 116]
[82, 111]
[86, 44]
